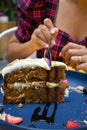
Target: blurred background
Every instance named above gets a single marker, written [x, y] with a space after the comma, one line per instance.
[7, 8]
[8, 18]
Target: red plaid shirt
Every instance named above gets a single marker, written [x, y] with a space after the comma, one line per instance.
[31, 13]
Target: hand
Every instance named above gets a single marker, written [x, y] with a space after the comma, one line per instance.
[43, 34]
[75, 55]
[53, 30]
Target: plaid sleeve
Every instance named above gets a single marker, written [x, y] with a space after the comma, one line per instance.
[30, 14]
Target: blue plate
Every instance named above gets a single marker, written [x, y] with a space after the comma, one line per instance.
[51, 116]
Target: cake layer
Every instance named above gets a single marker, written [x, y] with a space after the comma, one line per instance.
[27, 63]
[35, 74]
[34, 92]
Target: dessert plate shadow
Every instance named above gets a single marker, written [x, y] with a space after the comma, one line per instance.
[51, 116]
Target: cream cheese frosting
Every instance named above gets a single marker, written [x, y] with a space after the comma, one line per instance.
[27, 63]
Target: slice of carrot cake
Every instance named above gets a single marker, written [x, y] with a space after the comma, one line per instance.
[32, 80]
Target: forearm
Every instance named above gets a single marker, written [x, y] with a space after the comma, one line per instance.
[16, 50]
[40, 39]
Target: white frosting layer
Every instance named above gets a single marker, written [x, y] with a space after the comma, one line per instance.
[49, 84]
[26, 63]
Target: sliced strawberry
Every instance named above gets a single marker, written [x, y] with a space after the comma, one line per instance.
[13, 119]
[66, 82]
[72, 124]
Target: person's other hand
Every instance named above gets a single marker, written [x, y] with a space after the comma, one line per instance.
[75, 55]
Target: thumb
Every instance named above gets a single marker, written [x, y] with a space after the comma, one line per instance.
[53, 30]
[48, 23]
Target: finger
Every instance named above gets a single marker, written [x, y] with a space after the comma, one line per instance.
[70, 45]
[67, 56]
[42, 34]
[79, 59]
[74, 61]
[45, 32]
[82, 66]
[38, 43]
[78, 62]
[74, 46]
[48, 23]
[53, 30]
[76, 52]
[71, 56]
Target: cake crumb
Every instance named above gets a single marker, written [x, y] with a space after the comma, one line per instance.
[20, 105]
[80, 88]
[85, 122]
[2, 116]
[66, 92]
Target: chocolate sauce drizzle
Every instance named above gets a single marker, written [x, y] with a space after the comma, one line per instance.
[43, 116]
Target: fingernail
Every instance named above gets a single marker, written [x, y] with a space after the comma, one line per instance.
[60, 54]
[56, 30]
[46, 45]
[53, 42]
[52, 31]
